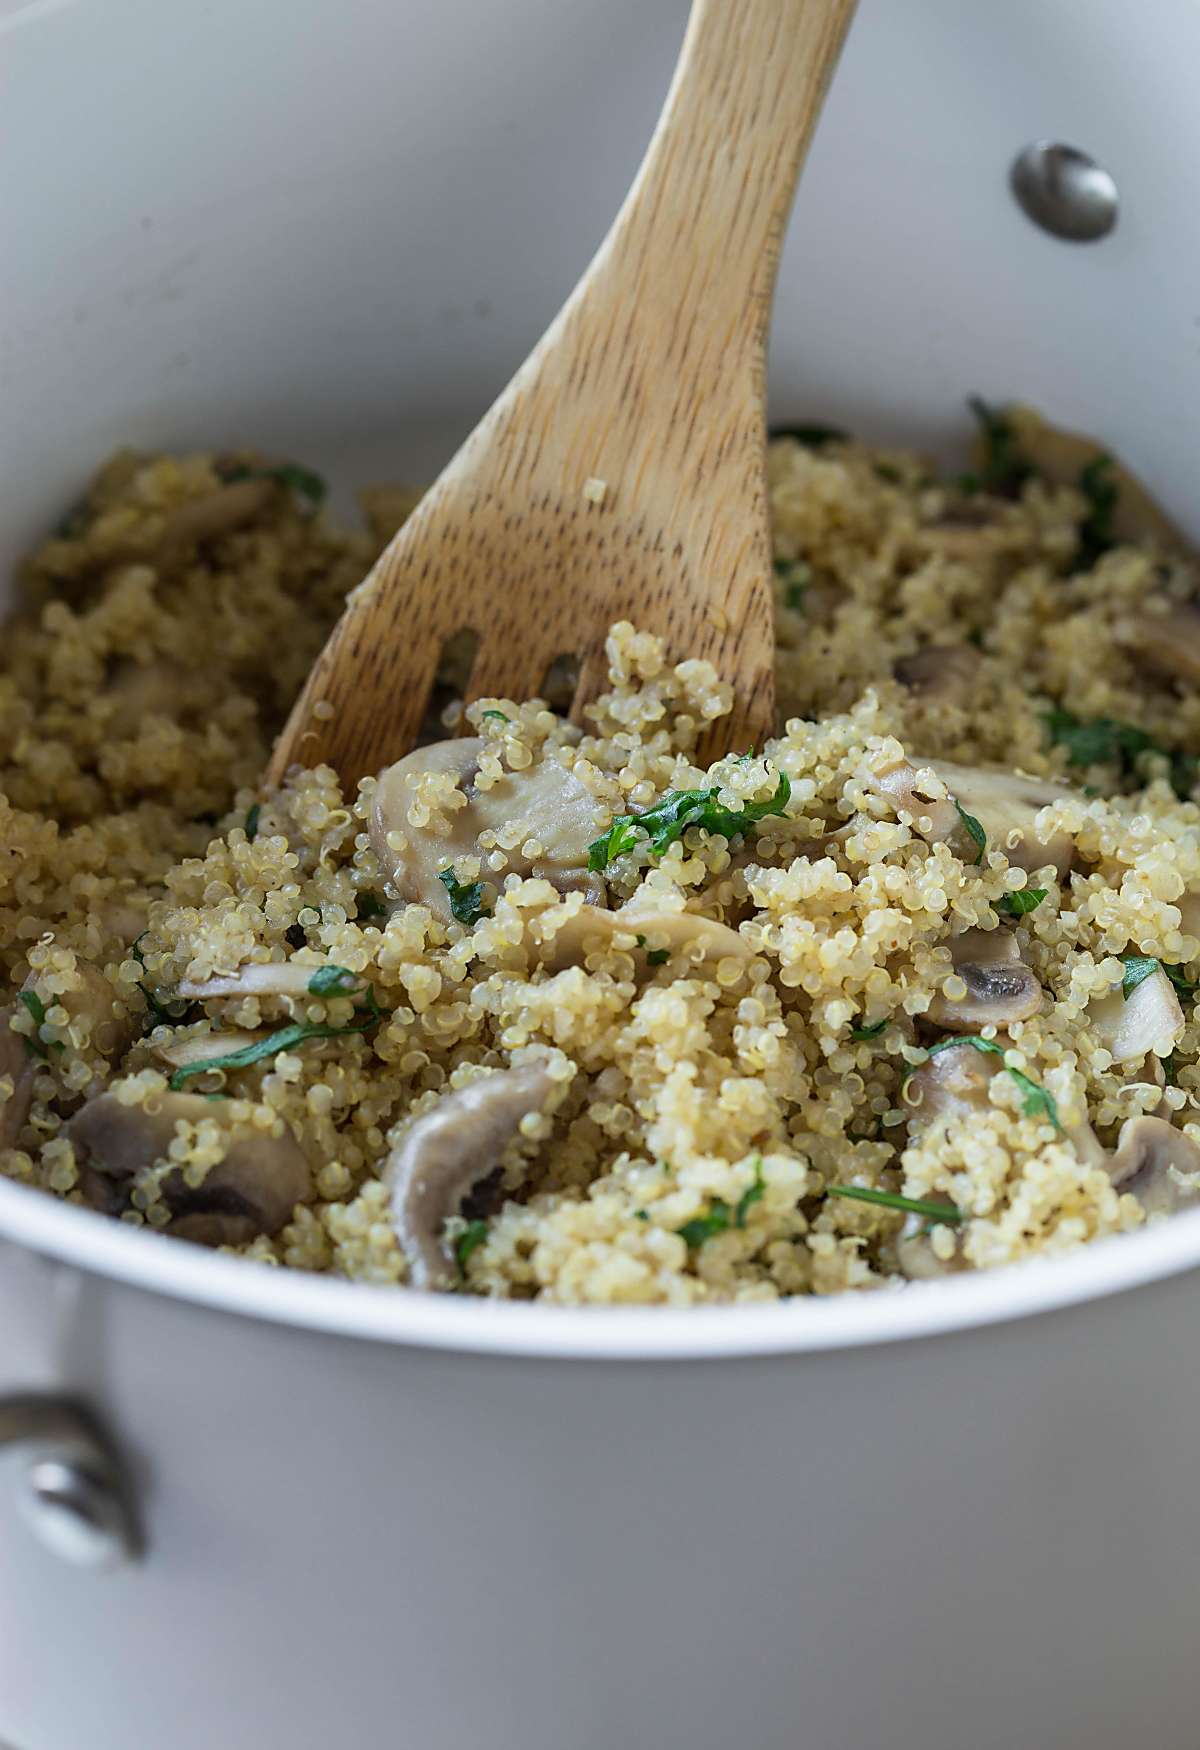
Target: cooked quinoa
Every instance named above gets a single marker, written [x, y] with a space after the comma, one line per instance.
[970, 1001]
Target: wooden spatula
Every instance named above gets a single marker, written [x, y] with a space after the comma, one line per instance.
[620, 476]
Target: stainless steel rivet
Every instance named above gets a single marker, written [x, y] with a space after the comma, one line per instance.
[70, 1483]
[1064, 191]
[75, 1513]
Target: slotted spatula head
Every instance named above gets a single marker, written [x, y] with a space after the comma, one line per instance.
[620, 476]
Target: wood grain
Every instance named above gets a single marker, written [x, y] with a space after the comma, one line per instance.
[650, 380]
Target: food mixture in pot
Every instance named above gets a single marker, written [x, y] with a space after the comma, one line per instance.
[539, 1013]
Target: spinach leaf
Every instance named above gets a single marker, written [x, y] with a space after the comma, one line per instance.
[974, 828]
[469, 1240]
[466, 902]
[1096, 534]
[671, 816]
[1004, 470]
[1021, 902]
[330, 981]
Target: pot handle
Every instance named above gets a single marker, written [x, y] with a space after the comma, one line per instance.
[71, 1484]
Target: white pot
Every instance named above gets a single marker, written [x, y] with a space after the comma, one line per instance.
[959, 1515]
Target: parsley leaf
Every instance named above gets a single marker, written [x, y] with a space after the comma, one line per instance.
[1108, 741]
[720, 1217]
[252, 814]
[1096, 534]
[892, 1200]
[1021, 902]
[329, 981]
[469, 1240]
[813, 437]
[499, 714]
[289, 474]
[794, 575]
[1004, 469]
[466, 903]
[671, 816]
[1138, 968]
[871, 1032]
[751, 1196]
[974, 828]
[30, 1000]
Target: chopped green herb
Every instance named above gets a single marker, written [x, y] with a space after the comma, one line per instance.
[499, 714]
[1096, 533]
[974, 829]
[333, 981]
[281, 1040]
[892, 1200]
[670, 818]
[795, 575]
[469, 1240]
[813, 437]
[720, 1217]
[658, 956]
[171, 1014]
[750, 1196]
[252, 814]
[466, 902]
[871, 1032]
[37, 1008]
[1138, 968]
[370, 905]
[289, 474]
[1035, 1098]
[641, 1215]
[1023, 901]
[1004, 469]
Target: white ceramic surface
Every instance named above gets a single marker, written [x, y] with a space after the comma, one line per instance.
[957, 1516]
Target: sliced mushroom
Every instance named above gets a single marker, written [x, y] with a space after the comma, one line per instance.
[275, 978]
[17, 1066]
[915, 1256]
[940, 671]
[1006, 805]
[1149, 1157]
[201, 1047]
[217, 513]
[1149, 1019]
[566, 939]
[544, 805]
[1169, 641]
[1000, 987]
[446, 1152]
[1061, 456]
[951, 1084]
[252, 1190]
[95, 1018]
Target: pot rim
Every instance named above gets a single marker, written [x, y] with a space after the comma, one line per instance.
[237, 1286]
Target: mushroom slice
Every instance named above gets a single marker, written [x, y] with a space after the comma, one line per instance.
[1061, 456]
[217, 513]
[544, 807]
[95, 1018]
[1169, 642]
[251, 1190]
[1000, 987]
[1148, 1019]
[446, 1152]
[566, 940]
[274, 978]
[1006, 805]
[914, 1253]
[939, 671]
[201, 1047]
[952, 1084]
[17, 1066]
[1149, 1159]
